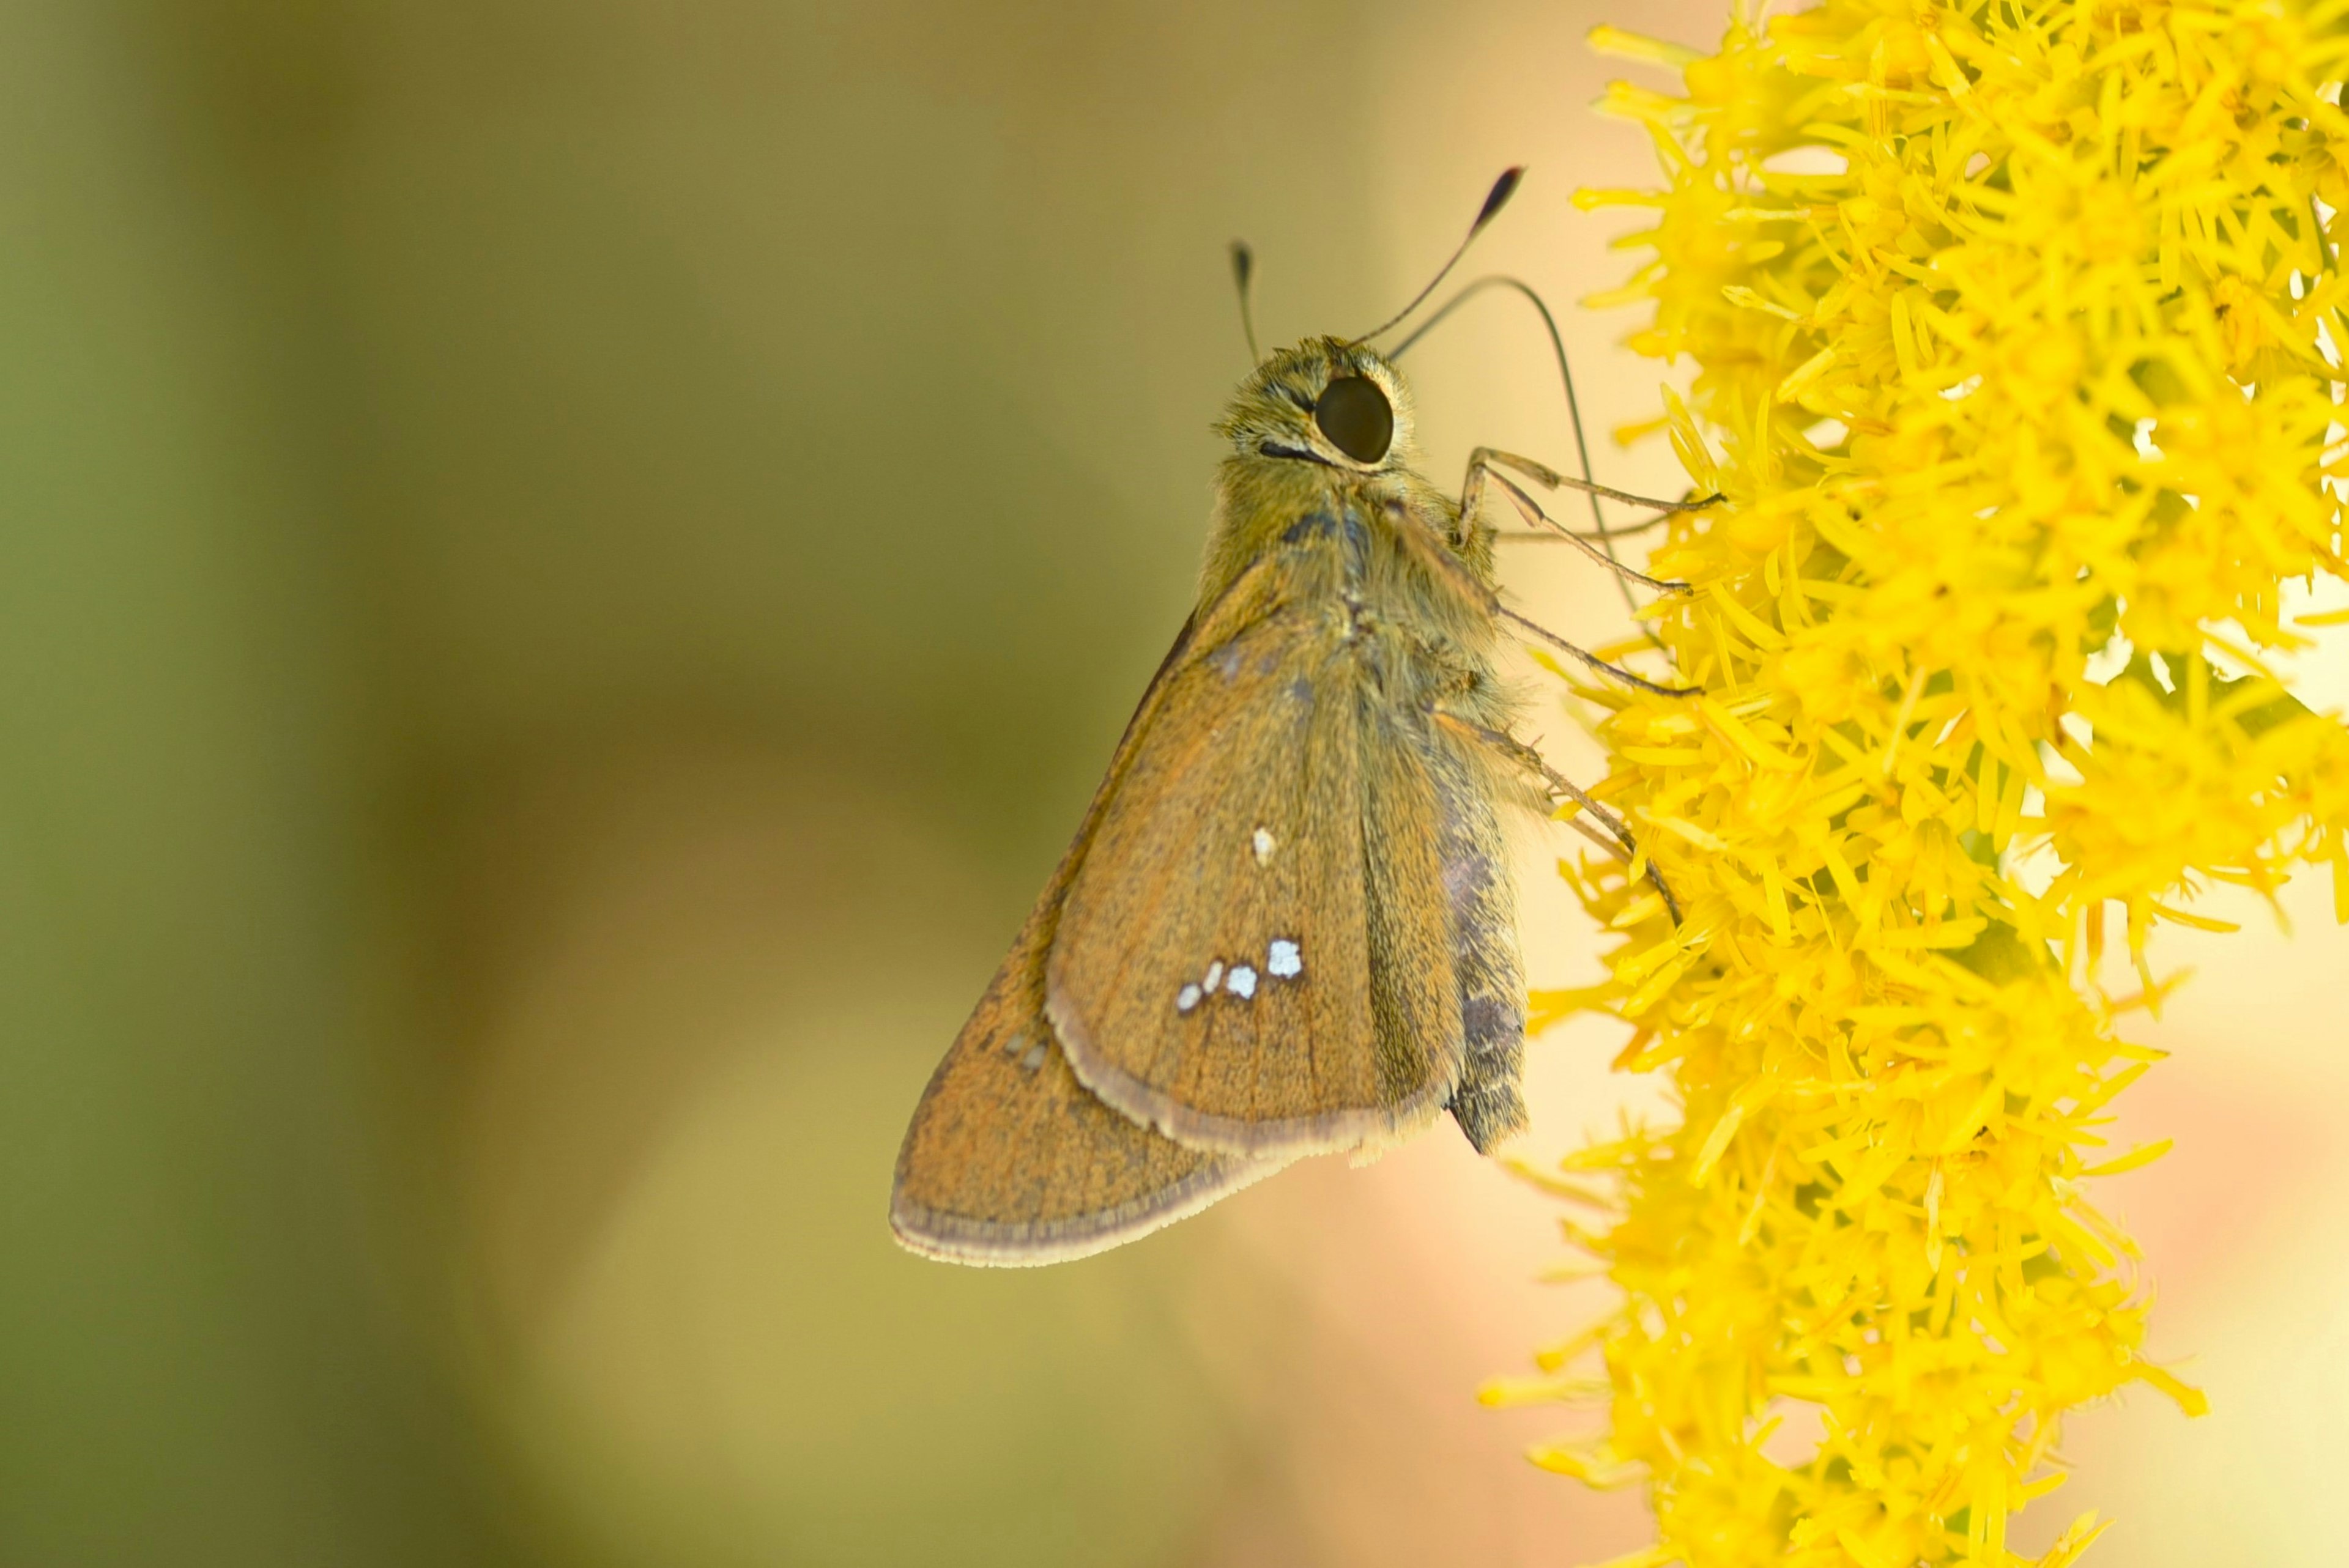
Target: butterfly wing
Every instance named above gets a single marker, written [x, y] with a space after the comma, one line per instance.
[1008, 1161]
[1255, 954]
[1488, 1104]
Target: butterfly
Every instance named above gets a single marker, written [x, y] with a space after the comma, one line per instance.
[1286, 924]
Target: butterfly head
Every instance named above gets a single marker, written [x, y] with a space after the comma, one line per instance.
[1327, 401]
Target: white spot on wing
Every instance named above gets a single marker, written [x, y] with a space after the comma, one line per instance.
[1186, 998]
[1213, 977]
[1264, 844]
[1284, 960]
[1033, 1059]
[1243, 981]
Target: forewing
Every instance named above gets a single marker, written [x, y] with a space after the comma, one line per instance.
[1256, 952]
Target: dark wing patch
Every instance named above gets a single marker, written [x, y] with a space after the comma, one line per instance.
[1488, 1104]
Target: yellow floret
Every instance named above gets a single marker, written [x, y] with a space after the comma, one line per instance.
[2015, 333]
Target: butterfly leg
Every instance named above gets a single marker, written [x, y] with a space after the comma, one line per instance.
[1488, 458]
[1446, 564]
[1484, 467]
[1545, 634]
[1617, 840]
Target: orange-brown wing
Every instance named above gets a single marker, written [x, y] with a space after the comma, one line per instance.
[1009, 1160]
[1255, 953]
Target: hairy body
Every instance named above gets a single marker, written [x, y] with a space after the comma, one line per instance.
[1286, 926]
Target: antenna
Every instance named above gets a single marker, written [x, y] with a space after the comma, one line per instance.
[1565, 376]
[1244, 274]
[1494, 199]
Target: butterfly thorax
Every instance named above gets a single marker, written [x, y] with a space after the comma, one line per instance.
[1353, 534]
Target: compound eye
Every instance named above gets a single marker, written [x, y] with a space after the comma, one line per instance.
[1357, 418]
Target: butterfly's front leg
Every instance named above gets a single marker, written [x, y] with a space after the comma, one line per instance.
[1444, 563]
[1484, 464]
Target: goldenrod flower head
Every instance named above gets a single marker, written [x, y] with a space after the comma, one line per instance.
[2015, 334]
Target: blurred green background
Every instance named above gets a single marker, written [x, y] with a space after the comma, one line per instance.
[567, 570]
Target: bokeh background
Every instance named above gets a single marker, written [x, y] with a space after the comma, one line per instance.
[568, 567]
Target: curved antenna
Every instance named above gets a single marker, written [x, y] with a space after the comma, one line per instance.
[1244, 274]
[1494, 199]
[1566, 378]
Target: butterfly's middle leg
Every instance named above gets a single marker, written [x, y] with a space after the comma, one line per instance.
[1439, 559]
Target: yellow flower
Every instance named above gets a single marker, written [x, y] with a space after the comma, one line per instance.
[2014, 331]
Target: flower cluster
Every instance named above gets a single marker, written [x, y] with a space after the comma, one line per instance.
[2015, 327]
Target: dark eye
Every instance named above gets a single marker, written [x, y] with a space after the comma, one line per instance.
[1356, 416]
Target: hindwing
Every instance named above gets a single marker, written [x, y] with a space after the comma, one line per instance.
[1488, 1104]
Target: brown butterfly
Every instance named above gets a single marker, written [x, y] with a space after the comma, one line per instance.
[1286, 924]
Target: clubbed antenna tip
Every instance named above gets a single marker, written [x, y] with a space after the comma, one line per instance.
[1243, 275]
[1494, 199]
